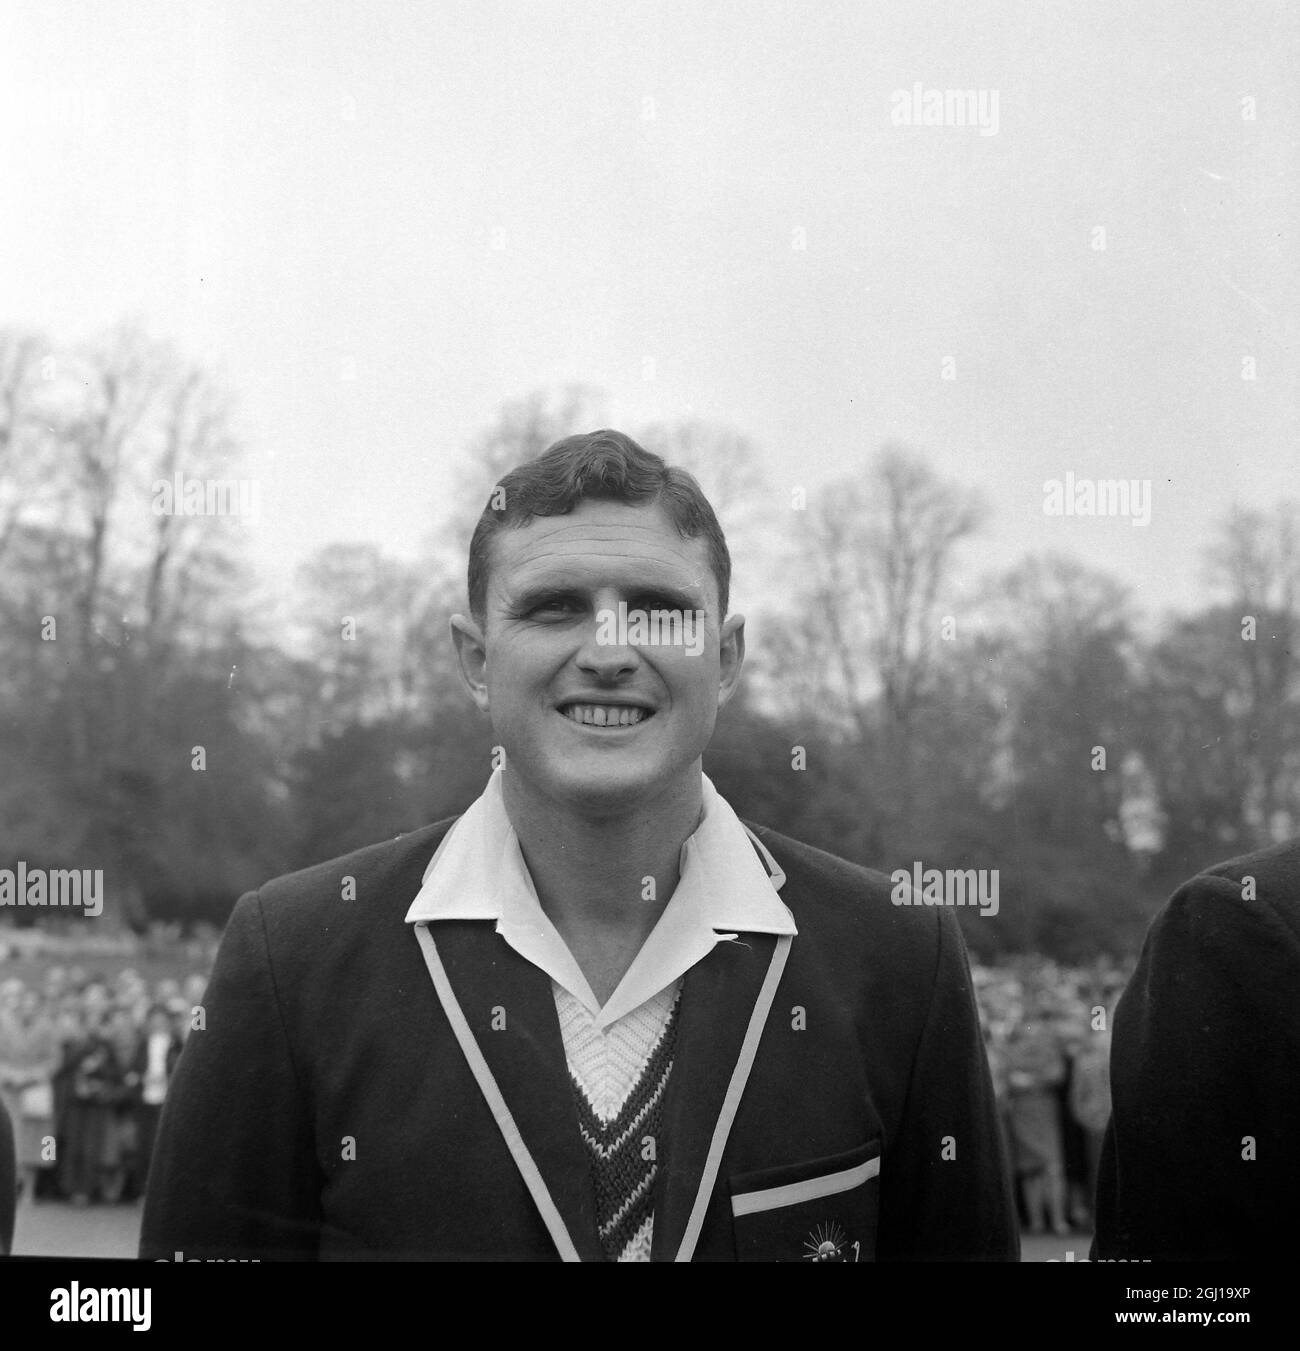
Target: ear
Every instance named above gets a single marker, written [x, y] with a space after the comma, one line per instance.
[731, 656]
[471, 658]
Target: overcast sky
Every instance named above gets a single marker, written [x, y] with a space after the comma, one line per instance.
[377, 222]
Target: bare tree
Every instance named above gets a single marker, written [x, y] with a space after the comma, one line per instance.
[524, 428]
[24, 449]
[877, 554]
[875, 562]
[116, 604]
[725, 464]
[1060, 658]
[1254, 566]
[373, 631]
[195, 441]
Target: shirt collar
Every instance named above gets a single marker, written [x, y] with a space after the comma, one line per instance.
[728, 885]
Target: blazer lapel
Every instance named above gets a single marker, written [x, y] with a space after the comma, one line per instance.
[725, 1001]
[509, 1009]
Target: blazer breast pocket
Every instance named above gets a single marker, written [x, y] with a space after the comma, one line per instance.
[824, 1210]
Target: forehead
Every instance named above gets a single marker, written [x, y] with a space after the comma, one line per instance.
[601, 544]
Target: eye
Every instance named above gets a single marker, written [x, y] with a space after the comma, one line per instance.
[554, 605]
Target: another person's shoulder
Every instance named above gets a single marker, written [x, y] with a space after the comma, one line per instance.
[1270, 877]
[1256, 890]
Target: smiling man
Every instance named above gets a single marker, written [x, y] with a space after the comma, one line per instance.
[596, 1017]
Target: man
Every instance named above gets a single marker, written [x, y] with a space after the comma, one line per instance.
[1200, 1157]
[595, 1017]
[152, 1067]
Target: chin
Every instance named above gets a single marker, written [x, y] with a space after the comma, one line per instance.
[596, 786]
[606, 790]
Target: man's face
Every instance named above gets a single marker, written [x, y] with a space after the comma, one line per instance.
[543, 661]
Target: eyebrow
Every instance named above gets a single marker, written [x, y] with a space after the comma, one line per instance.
[675, 598]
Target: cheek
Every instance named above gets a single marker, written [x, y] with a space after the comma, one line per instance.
[519, 692]
[508, 675]
[693, 679]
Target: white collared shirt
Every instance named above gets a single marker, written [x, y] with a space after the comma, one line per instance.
[478, 872]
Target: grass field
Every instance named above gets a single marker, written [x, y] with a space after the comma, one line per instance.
[56, 1229]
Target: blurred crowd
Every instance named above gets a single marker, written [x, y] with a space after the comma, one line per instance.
[1047, 1034]
[85, 1061]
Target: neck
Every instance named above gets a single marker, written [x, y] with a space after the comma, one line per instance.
[603, 882]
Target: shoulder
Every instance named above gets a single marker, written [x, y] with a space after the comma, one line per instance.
[847, 903]
[842, 882]
[1223, 952]
[377, 881]
[1252, 897]
[302, 946]
[1271, 877]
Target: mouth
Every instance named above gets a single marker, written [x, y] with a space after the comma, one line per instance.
[611, 717]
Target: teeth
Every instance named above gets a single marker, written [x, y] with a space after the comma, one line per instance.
[605, 715]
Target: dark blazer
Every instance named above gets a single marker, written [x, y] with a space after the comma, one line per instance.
[327, 1110]
[1205, 1071]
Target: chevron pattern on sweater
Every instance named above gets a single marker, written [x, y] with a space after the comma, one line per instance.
[622, 1141]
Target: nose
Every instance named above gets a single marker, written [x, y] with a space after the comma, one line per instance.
[605, 660]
